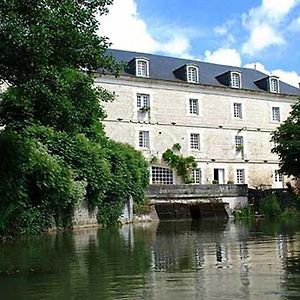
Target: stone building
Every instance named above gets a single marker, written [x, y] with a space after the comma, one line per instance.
[221, 115]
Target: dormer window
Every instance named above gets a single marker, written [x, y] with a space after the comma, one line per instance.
[192, 74]
[142, 67]
[274, 85]
[236, 81]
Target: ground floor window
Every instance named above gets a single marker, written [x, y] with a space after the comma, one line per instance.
[196, 176]
[278, 176]
[240, 176]
[160, 175]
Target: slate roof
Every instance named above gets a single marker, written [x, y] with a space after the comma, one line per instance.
[162, 67]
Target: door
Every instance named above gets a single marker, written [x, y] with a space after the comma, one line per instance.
[219, 176]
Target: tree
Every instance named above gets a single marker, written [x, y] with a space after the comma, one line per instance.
[54, 148]
[287, 143]
[39, 35]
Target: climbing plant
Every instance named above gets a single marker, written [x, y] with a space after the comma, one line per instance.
[182, 165]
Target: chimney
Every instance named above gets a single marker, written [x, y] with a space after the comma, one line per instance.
[299, 85]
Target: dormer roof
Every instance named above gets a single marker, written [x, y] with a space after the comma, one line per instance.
[171, 69]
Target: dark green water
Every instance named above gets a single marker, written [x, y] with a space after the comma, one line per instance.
[171, 260]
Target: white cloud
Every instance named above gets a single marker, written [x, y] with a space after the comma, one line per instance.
[277, 9]
[221, 30]
[257, 66]
[265, 24]
[126, 30]
[176, 46]
[262, 37]
[223, 56]
[290, 77]
[295, 25]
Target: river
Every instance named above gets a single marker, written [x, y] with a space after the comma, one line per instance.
[166, 260]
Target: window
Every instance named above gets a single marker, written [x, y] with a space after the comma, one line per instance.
[240, 176]
[144, 139]
[239, 143]
[276, 114]
[142, 68]
[274, 85]
[161, 175]
[278, 177]
[142, 100]
[237, 110]
[192, 74]
[195, 141]
[196, 176]
[194, 106]
[235, 80]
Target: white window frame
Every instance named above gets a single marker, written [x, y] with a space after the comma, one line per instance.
[192, 74]
[196, 176]
[144, 139]
[240, 176]
[195, 144]
[194, 107]
[162, 175]
[142, 100]
[239, 141]
[278, 177]
[274, 84]
[275, 114]
[142, 67]
[237, 110]
[236, 80]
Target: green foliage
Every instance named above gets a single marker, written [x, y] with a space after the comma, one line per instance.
[244, 212]
[182, 165]
[270, 206]
[38, 184]
[56, 100]
[239, 148]
[129, 170]
[36, 35]
[154, 160]
[55, 149]
[176, 147]
[287, 143]
[290, 213]
[145, 109]
[141, 208]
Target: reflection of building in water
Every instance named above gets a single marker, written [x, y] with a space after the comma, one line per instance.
[212, 262]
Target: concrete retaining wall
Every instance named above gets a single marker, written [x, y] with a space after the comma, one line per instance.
[85, 217]
[234, 195]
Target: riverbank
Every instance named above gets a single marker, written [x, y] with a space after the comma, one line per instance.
[271, 203]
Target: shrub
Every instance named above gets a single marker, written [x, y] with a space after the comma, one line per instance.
[270, 206]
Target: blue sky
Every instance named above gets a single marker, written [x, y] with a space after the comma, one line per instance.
[260, 33]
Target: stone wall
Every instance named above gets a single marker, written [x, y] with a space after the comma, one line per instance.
[233, 195]
[169, 122]
[85, 217]
[199, 190]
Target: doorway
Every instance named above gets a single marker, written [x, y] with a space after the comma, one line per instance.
[219, 176]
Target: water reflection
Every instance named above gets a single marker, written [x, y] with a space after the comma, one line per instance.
[169, 260]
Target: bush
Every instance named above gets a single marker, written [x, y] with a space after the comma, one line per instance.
[270, 206]
[244, 212]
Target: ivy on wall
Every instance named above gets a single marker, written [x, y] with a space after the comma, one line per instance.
[182, 165]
